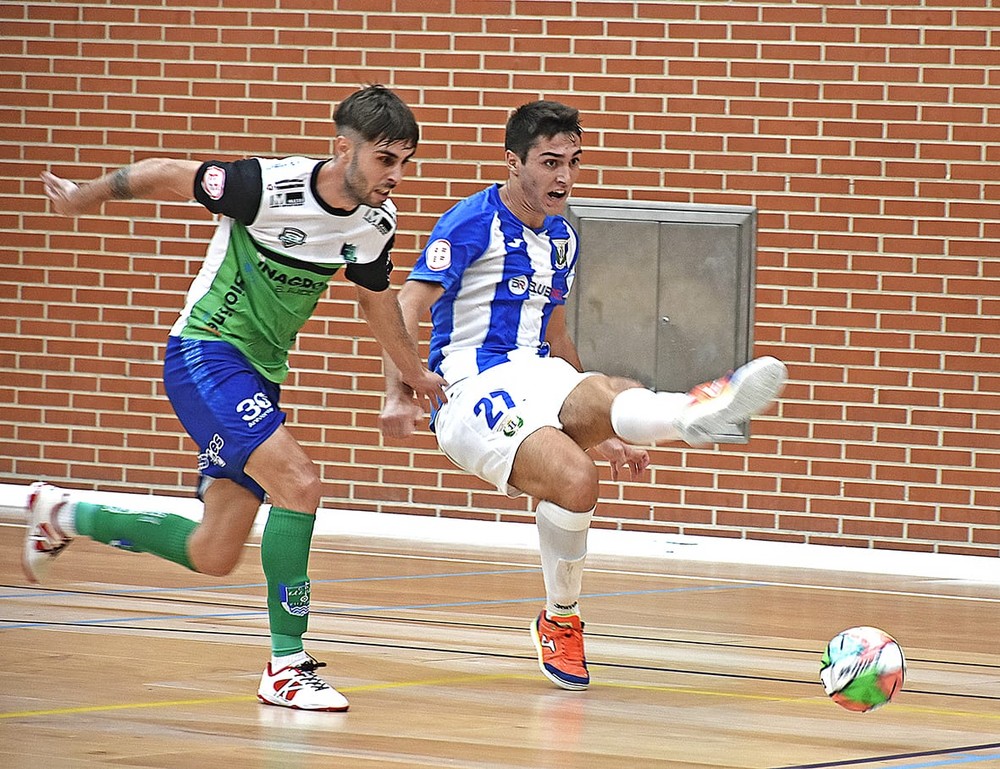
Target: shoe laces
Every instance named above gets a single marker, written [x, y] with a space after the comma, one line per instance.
[307, 671]
[570, 646]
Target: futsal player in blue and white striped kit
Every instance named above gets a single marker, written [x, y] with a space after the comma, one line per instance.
[521, 414]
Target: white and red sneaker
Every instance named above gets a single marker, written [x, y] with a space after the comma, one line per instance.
[297, 686]
[730, 400]
[45, 538]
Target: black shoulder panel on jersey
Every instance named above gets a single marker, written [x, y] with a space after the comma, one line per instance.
[232, 189]
[375, 275]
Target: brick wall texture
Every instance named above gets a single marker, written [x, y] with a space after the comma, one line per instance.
[866, 134]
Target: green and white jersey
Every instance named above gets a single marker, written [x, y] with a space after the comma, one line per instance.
[273, 254]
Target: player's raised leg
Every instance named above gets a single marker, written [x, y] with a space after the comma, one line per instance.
[644, 417]
[55, 517]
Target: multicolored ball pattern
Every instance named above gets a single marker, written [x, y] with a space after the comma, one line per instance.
[863, 668]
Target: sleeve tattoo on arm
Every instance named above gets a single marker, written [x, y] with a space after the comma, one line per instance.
[120, 187]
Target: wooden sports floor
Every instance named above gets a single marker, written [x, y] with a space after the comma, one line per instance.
[122, 660]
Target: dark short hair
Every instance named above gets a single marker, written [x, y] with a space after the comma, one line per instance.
[377, 115]
[538, 119]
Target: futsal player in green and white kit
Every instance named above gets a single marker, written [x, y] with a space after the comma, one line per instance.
[286, 226]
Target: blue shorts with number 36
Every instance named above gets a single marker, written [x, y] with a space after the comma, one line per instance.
[224, 403]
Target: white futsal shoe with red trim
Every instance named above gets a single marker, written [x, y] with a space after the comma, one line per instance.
[45, 538]
[730, 399]
[297, 686]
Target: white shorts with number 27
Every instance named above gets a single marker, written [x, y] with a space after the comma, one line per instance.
[488, 416]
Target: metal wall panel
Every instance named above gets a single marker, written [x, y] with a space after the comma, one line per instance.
[664, 292]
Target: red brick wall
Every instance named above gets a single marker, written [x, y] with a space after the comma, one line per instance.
[866, 135]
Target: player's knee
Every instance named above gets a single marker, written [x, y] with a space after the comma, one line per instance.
[217, 564]
[311, 491]
[581, 488]
[302, 492]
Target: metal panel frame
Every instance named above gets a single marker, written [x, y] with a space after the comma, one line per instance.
[616, 339]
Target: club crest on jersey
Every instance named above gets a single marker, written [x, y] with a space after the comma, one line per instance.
[438, 255]
[295, 599]
[291, 236]
[561, 247]
[213, 181]
[378, 219]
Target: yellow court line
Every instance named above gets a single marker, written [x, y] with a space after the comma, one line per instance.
[453, 680]
[240, 698]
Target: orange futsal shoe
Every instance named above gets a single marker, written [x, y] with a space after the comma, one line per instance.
[559, 643]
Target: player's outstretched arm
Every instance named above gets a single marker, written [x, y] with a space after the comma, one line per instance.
[401, 411]
[151, 179]
[402, 359]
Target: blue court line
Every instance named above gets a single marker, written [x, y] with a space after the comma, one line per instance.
[355, 609]
[944, 757]
[950, 761]
[154, 590]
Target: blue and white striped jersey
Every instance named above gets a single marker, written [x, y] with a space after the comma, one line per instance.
[501, 280]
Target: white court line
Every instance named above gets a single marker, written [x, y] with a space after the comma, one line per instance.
[628, 544]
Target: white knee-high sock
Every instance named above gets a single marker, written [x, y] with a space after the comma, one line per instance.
[644, 417]
[562, 540]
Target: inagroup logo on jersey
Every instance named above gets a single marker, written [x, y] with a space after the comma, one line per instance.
[518, 285]
[438, 255]
[291, 236]
[213, 181]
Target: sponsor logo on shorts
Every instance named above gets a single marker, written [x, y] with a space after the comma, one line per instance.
[212, 454]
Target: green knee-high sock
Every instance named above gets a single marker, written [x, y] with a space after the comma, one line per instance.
[163, 534]
[284, 554]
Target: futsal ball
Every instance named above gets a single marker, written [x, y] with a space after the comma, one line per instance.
[863, 668]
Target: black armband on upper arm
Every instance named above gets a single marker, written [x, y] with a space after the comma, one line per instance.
[232, 189]
[375, 275]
